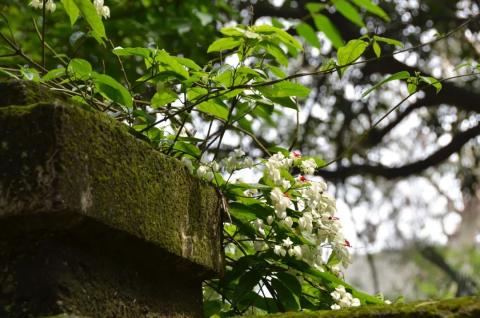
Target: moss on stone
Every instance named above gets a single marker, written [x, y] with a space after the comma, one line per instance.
[58, 158]
[465, 307]
[15, 92]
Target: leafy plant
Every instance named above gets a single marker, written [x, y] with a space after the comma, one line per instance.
[283, 243]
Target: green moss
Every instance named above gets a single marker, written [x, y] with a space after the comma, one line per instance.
[464, 307]
[26, 93]
[60, 158]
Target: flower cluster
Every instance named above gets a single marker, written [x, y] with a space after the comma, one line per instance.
[306, 209]
[38, 4]
[50, 6]
[102, 9]
[303, 223]
[206, 171]
[236, 161]
[343, 299]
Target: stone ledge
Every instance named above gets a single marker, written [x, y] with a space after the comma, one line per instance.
[60, 160]
[465, 307]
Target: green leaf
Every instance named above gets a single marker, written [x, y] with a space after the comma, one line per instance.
[282, 35]
[349, 12]
[30, 74]
[212, 307]
[291, 282]
[224, 44]
[129, 51]
[377, 49]
[187, 148]
[276, 23]
[249, 213]
[411, 88]
[397, 76]
[372, 8]
[285, 102]
[88, 11]
[188, 63]
[285, 89]
[169, 63]
[232, 31]
[432, 81]
[246, 283]
[307, 32]
[214, 108]
[72, 10]
[288, 299]
[324, 24]
[388, 40]
[53, 74]
[314, 7]
[351, 52]
[79, 69]
[163, 97]
[112, 89]
[278, 72]
[276, 52]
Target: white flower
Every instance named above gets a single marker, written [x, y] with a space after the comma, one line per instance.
[258, 224]
[105, 12]
[279, 200]
[248, 162]
[388, 302]
[215, 166]
[344, 302]
[273, 172]
[37, 4]
[205, 172]
[238, 153]
[335, 307]
[287, 242]
[305, 223]
[341, 289]
[50, 5]
[269, 220]
[188, 163]
[308, 166]
[355, 302]
[250, 192]
[288, 221]
[279, 250]
[336, 295]
[286, 184]
[281, 215]
[296, 155]
[101, 8]
[297, 252]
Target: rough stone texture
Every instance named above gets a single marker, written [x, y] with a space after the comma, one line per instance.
[95, 220]
[465, 307]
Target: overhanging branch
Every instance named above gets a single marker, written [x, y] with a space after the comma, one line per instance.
[434, 159]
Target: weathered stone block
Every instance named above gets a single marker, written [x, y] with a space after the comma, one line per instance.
[93, 221]
[464, 307]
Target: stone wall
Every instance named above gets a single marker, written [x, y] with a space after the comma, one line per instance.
[93, 221]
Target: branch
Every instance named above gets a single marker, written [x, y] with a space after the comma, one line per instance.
[450, 94]
[434, 159]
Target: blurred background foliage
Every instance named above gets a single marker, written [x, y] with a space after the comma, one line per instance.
[409, 190]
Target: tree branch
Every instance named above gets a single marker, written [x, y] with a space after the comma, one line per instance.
[437, 157]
